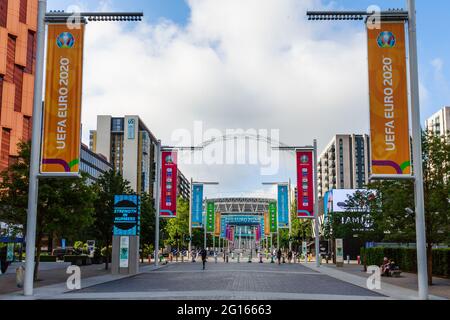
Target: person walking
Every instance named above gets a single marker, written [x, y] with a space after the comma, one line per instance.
[279, 256]
[203, 253]
[290, 256]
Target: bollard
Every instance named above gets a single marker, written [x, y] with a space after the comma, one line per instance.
[348, 259]
[238, 257]
[215, 258]
[20, 274]
[227, 258]
[260, 259]
[182, 258]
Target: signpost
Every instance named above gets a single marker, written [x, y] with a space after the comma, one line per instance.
[35, 154]
[339, 253]
[126, 230]
[387, 40]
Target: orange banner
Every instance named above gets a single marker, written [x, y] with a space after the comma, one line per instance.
[217, 225]
[61, 139]
[266, 224]
[389, 120]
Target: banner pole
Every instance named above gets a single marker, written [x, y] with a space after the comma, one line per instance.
[158, 199]
[190, 218]
[35, 152]
[316, 207]
[417, 155]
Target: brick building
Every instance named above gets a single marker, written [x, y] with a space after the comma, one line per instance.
[18, 23]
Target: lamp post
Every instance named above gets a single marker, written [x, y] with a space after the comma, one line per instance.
[410, 17]
[43, 18]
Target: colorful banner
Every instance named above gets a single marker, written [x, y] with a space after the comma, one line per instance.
[283, 206]
[210, 215]
[197, 206]
[273, 217]
[389, 119]
[61, 137]
[266, 224]
[223, 227]
[217, 224]
[169, 186]
[305, 184]
[127, 215]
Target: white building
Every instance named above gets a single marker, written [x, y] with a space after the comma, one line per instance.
[439, 123]
[344, 163]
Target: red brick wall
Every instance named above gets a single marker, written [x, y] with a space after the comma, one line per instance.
[3, 13]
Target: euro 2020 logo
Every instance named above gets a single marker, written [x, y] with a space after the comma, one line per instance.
[386, 39]
[65, 40]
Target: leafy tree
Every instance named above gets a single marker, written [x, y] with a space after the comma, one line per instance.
[109, 184]
[436, 178]
[147, 236]
[178, 228]
[65, 206]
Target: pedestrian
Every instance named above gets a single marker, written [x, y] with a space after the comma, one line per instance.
[279, 256]
[203, 253]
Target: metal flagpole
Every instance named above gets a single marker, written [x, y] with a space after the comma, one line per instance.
[316, 207]
[190, 218]
[158, 199]
[35, 152]
[417, 154]
[204, 226]
[289, 212]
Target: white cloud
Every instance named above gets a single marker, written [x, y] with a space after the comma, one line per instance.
[237, 64]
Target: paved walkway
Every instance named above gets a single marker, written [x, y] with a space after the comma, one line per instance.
[224, 281]
[404, 287]
[50, 273]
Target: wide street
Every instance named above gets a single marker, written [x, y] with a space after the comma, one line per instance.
[227, 281]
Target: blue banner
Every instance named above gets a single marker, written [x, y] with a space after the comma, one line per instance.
[127, 215]
[197, 206]
[283, 207]
[223, 227]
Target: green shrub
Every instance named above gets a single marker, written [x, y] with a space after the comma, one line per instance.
[406, 259]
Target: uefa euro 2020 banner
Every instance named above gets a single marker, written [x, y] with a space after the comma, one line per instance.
[169, 186]
[197, 206]
[389, 119]
[305, 184]
[283, 207]
[217, 224]
[61, 140]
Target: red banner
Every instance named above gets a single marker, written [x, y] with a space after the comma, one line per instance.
[169, 187]
[305, 184]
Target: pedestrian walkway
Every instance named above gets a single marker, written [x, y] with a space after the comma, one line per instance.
[404, 287]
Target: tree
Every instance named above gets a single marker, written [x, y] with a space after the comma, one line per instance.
[147, 236]
[436, 180]
[178, 228]
[108, 185]
[394, 197]
[65, 206]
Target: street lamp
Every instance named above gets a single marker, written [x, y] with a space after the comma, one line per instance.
[410, 17]
[43, 18]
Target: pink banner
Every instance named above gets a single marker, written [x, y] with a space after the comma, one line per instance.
[169, 178]
[305, 184]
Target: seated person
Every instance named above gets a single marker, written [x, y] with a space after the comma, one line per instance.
[386, 267]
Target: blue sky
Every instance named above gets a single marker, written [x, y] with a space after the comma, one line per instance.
[434, 42]
[233, 63]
